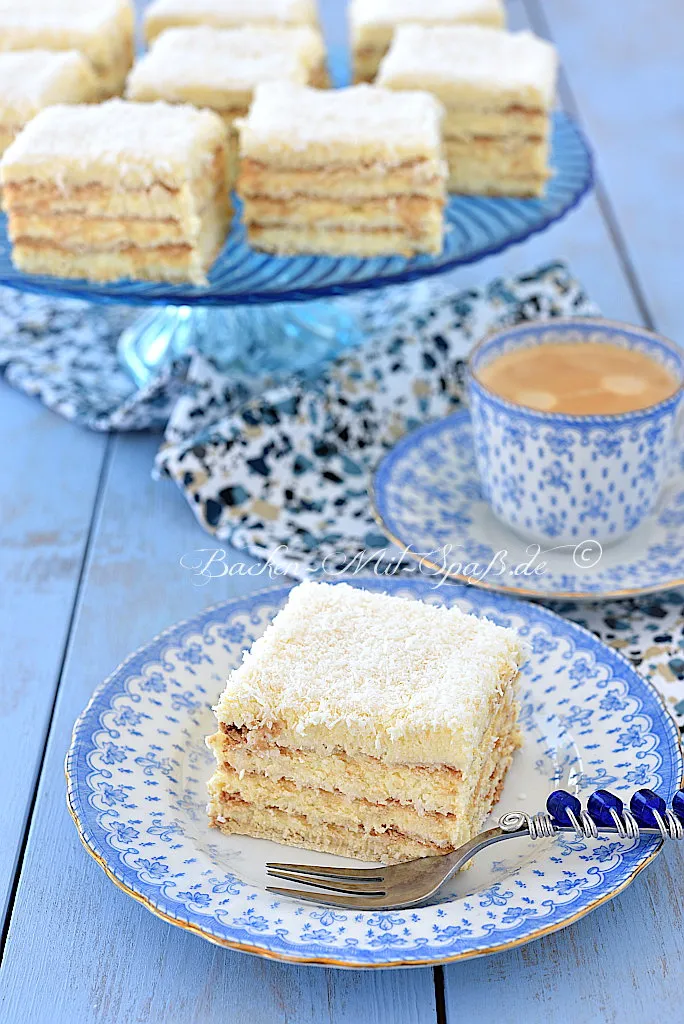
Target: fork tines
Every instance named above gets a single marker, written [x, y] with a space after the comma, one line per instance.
[351, 883]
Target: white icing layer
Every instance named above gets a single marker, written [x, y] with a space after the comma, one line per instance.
[33, 79]
[226, 59]
[227, 13]
[141, 142]
[22, 18]
[472, 60]
[361, 122]
[344, 667]
[367, 13]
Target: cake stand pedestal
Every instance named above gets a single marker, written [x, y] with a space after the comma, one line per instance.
[271, 339]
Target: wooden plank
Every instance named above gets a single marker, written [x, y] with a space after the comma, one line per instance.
[622, 964]
[76, 944]
[625, 66]
[48, 483]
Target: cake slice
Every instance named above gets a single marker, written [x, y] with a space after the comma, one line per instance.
[118, 190]
[102, 31]
[374, 22]
[163, 14]
[498, 89]
[220, 68]
[31, 80]
[354, 171]
[367, 726]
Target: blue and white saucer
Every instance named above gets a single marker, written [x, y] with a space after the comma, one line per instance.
[427, 498]
[138, 765]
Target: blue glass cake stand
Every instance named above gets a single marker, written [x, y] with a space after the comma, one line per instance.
[263, 313]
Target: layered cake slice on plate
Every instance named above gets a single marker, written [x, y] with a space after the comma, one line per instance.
[367, 726]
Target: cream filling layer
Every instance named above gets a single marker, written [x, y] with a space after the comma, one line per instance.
[430, 788]
[362, 834]
[187, 261]
[292, 240]
[411, 213]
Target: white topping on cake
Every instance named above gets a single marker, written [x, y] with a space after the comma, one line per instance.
[225, 13]
[476, 59]
[226, 59]
[374, 123]
[155, 141]
[393, 12]
[19, 19]
[342, 662]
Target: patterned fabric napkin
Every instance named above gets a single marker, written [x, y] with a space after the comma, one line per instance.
[63, 351]
[649, 631]
[285, 474]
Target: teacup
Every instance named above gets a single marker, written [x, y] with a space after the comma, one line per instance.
[565, 479]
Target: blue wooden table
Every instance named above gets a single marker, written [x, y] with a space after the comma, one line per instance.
[90, 552]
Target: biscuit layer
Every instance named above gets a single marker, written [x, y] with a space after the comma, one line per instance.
[332, 823]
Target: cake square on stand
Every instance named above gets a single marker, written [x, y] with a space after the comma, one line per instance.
[102, 32]
[355, 171]
[118, 190]
[498, 89]
[374, 22]
[367, 726]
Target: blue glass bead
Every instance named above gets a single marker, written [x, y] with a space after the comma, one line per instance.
[678, 804]
[559, 803]
[599, 806]
[643, 804]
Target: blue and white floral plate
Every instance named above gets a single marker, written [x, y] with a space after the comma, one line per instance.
[137, 768]
[427, 498]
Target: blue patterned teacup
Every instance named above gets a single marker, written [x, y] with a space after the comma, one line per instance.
[562, 478]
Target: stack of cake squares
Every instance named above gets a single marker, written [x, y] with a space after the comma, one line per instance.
[457, 103]
[374, 22]
[498, 89]
[118, 190]
[355, 171]
[101, 30]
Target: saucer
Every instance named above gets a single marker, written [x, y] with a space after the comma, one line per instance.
[427, 498]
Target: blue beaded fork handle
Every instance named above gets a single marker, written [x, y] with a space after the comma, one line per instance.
[647, 814]
[411, 884]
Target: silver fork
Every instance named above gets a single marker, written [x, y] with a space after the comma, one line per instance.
[410, 884]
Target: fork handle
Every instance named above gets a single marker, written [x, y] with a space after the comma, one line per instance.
[647, 815]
